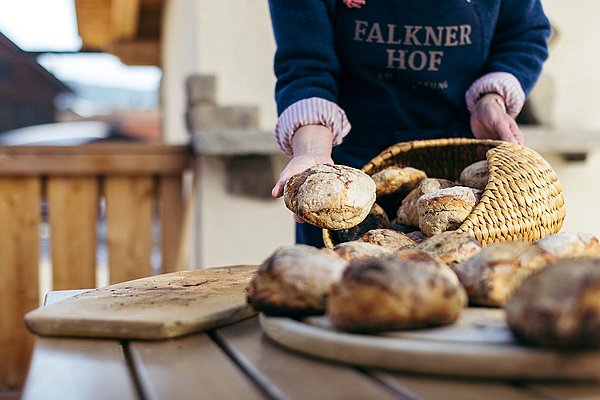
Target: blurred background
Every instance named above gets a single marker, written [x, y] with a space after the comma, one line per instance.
[200, 72]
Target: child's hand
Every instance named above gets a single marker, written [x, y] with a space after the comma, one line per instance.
[355, 3]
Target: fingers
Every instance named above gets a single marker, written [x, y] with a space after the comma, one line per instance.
[277, 190]
[516, 132]
[493, 125]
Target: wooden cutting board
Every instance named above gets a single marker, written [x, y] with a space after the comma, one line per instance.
[157, 307]
[479, 344]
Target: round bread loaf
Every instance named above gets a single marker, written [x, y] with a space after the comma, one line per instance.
[388, 238]
[445, 209]
[394, 179]
[475, 175]
[491, 275]
[451, 247]
[409, 290]
[569, 244]
[295, 280]
[559, 306]
[357, 250]
[407, 212]
[330, 196]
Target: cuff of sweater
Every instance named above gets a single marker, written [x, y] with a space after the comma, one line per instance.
[312, 111]
[503, 83]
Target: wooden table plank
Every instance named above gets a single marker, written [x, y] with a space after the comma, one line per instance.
[191, 367]
[78, 369]
[446, 388]
[289, 375]
[569, 391]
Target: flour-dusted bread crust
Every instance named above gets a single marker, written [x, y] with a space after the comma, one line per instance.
[357, 250]
[376, 219]
[570, 244]
[445, 209]
[409, 290]
[330, 196]
[388, 238]
[452, 247]
[395, 179]
[407, 213]
[491, 275]
[295, 280]
[475, 175]
[559, 306]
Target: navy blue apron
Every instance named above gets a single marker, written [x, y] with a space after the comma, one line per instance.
[405, 67]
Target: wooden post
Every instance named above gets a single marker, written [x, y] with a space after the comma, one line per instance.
[19, 263]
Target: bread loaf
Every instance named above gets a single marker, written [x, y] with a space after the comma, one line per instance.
[330, 196]
[569, 244]
[491, 275]
[388, 238]
[295, 280]
[475, 175]
[559, 306]
[395, 179]
[445, 209]
[452, 247]
[357, 250]
[407, 212]
[409, 290]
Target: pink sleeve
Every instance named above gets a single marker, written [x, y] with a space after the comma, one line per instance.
[312, 111]
[503, 83]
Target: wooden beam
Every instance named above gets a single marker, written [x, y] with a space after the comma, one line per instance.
[137, 52]
[94, 159]
[125, 18]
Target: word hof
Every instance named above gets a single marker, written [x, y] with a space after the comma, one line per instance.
[416, 36]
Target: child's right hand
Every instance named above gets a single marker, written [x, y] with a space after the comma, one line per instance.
[355, 3]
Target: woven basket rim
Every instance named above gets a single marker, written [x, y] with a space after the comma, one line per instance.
[486, 196]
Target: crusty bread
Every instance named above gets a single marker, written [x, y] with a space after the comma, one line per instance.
[394, 179]
[570, 244]
[409, 290]
[559, 306]
[452, 247]
[330, 196]
[445, 209]
[407, 212]
[475, 175]
[491, 275]
[376, 219]
[295, 280]
[388, 238]
[357, 250]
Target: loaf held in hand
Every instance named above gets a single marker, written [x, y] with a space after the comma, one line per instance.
[330, 196]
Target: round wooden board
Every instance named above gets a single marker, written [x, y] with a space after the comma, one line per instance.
[479, 344]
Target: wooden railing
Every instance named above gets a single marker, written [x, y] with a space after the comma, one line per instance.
[138, 185]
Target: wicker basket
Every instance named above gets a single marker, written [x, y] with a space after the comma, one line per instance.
[522, 200]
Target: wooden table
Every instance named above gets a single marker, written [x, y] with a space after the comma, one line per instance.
[240, 362]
